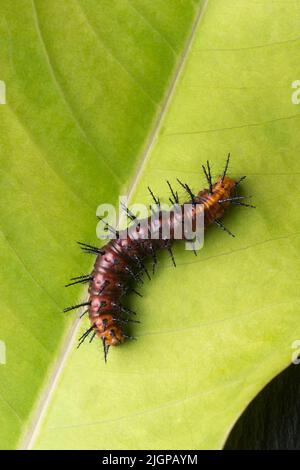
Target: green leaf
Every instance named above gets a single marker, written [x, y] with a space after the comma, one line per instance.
[84, 81]
[217, 328]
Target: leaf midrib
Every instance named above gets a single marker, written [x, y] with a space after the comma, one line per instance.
[28, 440]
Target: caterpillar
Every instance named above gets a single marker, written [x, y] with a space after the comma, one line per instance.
[121, 262]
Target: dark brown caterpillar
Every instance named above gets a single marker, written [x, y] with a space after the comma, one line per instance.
[121, 261]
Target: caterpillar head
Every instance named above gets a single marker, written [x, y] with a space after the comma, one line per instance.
[112, 336]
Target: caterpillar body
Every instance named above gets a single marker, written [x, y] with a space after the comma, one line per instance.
[121, 262]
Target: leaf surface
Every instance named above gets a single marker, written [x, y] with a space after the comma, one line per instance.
[217, 328]
[84, 83]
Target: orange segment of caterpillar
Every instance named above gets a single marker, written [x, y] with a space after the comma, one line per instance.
[121, 261]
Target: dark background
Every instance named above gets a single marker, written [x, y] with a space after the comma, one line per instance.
[272, 420]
